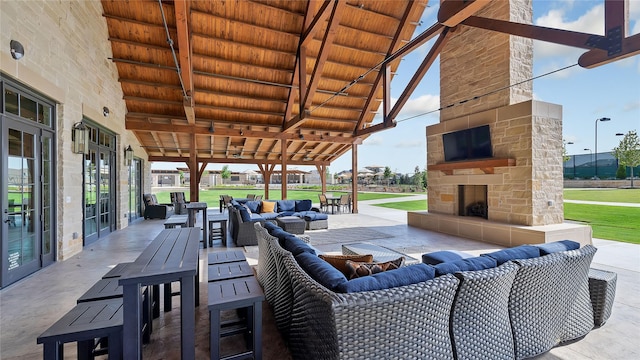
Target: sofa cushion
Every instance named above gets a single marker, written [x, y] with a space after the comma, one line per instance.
[437, 257]
[360, 269]
[406, 275]
[312, 216]
[340, 261]
[234, 202]
[320, 270]
[270, 227]
[286, 205]
[518, 252]
[270, 215]
[268, 206]
[295, 245]
[256, 217]
[469, 264]
[244, 213]
[285, 213]
[557, 246]
[254, 206]
[303, 205]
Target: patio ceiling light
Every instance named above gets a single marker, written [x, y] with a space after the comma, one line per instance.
[17, 50]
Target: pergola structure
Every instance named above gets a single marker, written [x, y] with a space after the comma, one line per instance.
[282, 82]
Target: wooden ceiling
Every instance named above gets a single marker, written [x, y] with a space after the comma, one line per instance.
[219, 81]
[237, 94]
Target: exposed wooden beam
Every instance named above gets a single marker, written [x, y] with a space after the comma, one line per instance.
[417, 77]
[182, 11]
[556, 36]
[453, 12]
[629, 47]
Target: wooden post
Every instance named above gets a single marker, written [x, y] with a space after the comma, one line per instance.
[283, 166]
[354, 178]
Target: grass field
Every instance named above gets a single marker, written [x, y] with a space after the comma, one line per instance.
[608, 222]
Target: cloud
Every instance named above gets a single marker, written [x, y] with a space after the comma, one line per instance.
[423, 104]
[631, 106]
[373, 140]
[591, 22]
[411, 144]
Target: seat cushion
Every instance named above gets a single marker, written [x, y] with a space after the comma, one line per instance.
[295, 245]
[518, 252]
[303, 205]
[437, 257]
[557, 246]
[406, 275]
[320, 270]
[469, 264]
[312, 216]
[286, 205]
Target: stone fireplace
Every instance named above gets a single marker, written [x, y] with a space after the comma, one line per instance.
[484, 83]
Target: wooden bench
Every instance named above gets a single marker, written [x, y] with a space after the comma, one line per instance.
[83, 324]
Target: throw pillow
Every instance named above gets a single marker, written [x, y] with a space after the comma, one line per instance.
[358, 269]
[254, 206]
[303, 205]
[340, 261]
[268, 206]
[557, 246]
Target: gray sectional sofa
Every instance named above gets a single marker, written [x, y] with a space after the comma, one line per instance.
[242, 216]
[519, 308]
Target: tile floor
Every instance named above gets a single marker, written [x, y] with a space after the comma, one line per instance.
[30, 306]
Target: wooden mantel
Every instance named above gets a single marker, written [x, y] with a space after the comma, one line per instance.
[486, 165]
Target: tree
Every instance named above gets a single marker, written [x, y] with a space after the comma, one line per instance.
[225, 173]
[418, 179]
[387, 174]
[621, 173]
[628, 151]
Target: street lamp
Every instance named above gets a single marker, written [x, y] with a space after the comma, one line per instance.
[590, 152]
[598, 120]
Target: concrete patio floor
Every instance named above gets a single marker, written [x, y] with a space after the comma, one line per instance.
[30, 306]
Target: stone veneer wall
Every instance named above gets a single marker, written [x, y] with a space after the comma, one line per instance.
[519, 194]
[475, 62]
[66, 59]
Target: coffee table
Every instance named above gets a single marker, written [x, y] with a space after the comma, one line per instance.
[380, 253]
[292, 224]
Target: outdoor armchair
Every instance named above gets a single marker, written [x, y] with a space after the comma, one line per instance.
[155, 210]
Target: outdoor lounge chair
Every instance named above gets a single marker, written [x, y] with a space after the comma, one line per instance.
[155, 210]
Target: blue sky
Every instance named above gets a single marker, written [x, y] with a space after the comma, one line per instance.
[611, 90]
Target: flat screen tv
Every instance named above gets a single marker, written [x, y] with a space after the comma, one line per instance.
[469, 144]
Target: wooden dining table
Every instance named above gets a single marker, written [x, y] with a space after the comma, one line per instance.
[172, 256]
[192, 211]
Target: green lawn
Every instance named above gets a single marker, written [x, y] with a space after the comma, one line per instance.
[608, 222]
[414, 205]
[609, 195]
[212, 197]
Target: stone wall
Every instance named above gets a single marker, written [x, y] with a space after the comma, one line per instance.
[67, 59]
[476, 62]
[518, 194]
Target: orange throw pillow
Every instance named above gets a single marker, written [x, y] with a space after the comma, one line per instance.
[358, 269]
[268, 206]
[340, 261]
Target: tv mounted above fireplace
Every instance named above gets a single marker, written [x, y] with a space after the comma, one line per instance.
[469, 144]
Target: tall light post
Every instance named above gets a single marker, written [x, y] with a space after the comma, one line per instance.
[597, 121]
[590, 152]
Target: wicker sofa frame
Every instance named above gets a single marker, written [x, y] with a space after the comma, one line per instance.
[517, 310]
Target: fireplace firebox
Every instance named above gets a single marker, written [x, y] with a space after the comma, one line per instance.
[472, 201]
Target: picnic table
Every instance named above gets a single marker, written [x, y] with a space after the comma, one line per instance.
[171, 256]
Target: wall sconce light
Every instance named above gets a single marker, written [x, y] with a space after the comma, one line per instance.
[241, 132]
[211, 129]
[105, 111]
[17, 50]
[80, 138]
[128, 155]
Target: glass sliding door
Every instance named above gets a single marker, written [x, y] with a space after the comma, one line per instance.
[135, 190]
[27, 184]
[99, 189]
